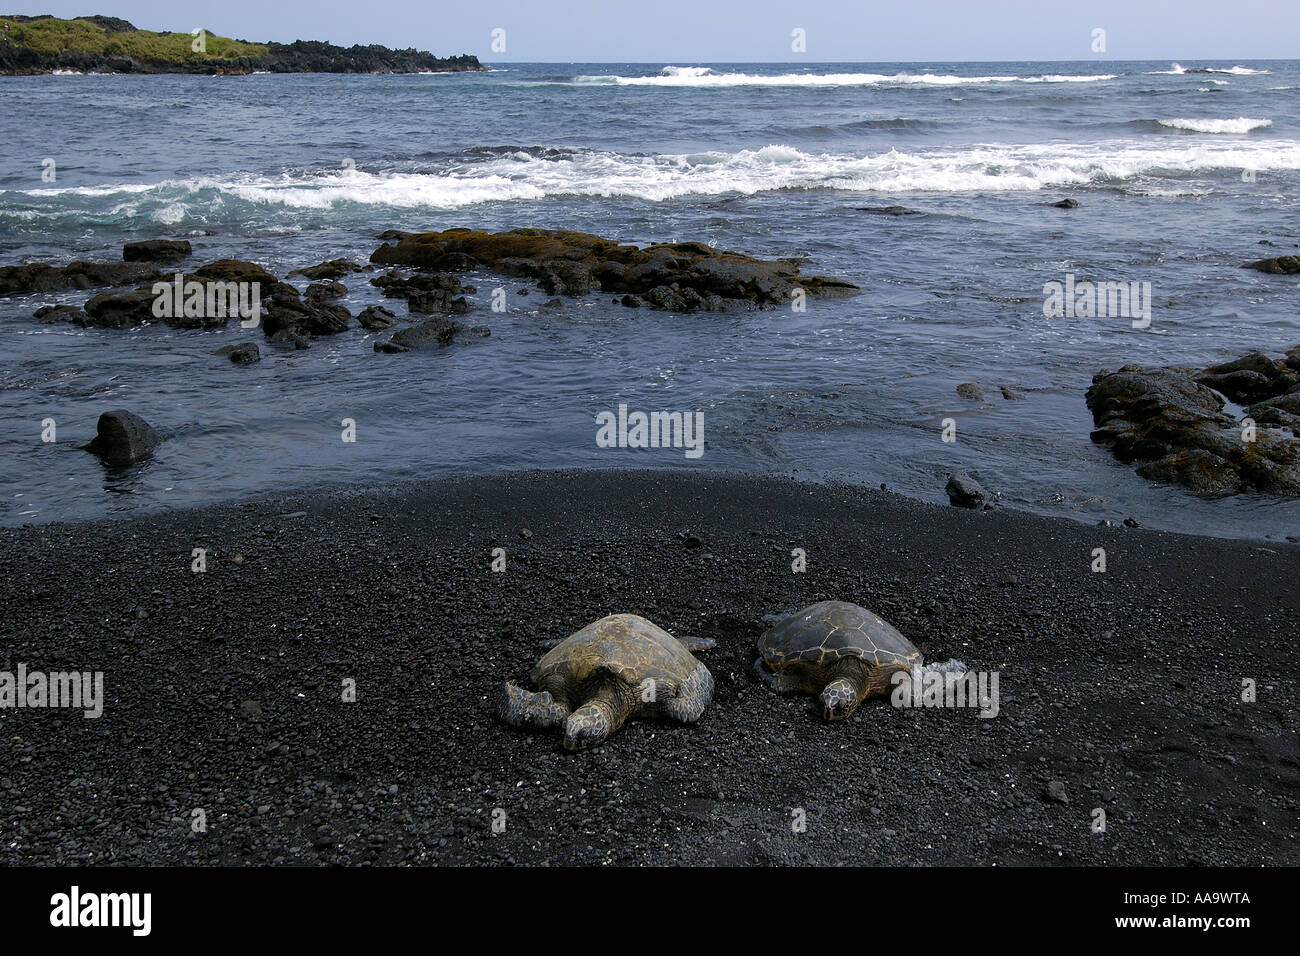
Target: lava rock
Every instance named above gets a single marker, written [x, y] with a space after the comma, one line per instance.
[313, 316]
[1280, 265]
[333, 269]
[964, 491]
[430, 333]
[245, 353]
[157, 250]
[685, 276]
[123, 438]
[376, 318]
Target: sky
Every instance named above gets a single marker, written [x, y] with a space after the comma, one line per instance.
[726, 31]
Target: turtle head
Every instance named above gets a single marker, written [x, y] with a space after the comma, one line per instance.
[589, 725]
[839, 699]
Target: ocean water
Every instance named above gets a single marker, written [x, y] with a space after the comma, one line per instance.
[1181, 178]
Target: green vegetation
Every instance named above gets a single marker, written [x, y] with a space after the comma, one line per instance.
[54, 36]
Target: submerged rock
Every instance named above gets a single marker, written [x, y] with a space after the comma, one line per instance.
[1281, 265]
[324, 290]
[123, 438]
[684, 276]
[889, 210]
[970, 390]
[157, 250]
[312, 317]
[49, 314]
[376, 318]
[245, 353]
[333, 269]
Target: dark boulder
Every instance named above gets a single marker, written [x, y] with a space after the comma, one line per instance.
[324, 290]
[1281, 265]
[123, 438]
[376, 318]
[237, 270]
[1171, 422]
[120, 310]
[312, 317]
[430, 333]
[889, 210]
[40, 277]
[964, 491]
[49, 314]
[333, 269]
[684, 276]
[245, 353]
[157, 250]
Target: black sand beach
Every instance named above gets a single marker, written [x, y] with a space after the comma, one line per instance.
[1123, 686]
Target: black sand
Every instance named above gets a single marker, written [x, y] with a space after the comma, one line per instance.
[1124, 686]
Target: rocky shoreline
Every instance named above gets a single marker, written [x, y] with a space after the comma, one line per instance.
[111, 52]
[1229, 428]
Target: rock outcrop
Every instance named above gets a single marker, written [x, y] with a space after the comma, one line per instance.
[1173, 423]
[680, 277]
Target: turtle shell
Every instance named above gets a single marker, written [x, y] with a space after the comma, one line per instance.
[831, 630]
[623, 645]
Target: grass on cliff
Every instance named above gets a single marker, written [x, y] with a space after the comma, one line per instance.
[54, 36]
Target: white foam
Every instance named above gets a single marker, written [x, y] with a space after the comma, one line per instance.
[1238, 126]
[522, 177]
[1177, 69]
[704, 76]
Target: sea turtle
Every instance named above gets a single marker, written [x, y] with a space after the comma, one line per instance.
[595, 679]
[841, 651]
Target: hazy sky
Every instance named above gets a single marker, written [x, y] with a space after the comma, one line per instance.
[684, 31]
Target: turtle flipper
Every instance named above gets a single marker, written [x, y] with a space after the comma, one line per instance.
[695, 694]
[694, 644]
[521, 708]
[596, 719]
[783, 682]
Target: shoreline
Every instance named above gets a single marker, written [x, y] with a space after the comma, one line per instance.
[221, 688]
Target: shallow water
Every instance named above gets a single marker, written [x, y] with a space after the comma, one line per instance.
[1179, 178]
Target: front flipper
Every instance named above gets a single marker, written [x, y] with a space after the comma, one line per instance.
[694, 644]
[595, 720]
[783, 682]
[521, 708]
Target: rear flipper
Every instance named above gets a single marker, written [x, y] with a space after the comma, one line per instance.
[695, 694]
[521, 708]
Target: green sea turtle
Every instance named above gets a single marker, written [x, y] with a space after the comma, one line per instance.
[841, 651]
[618, 667]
